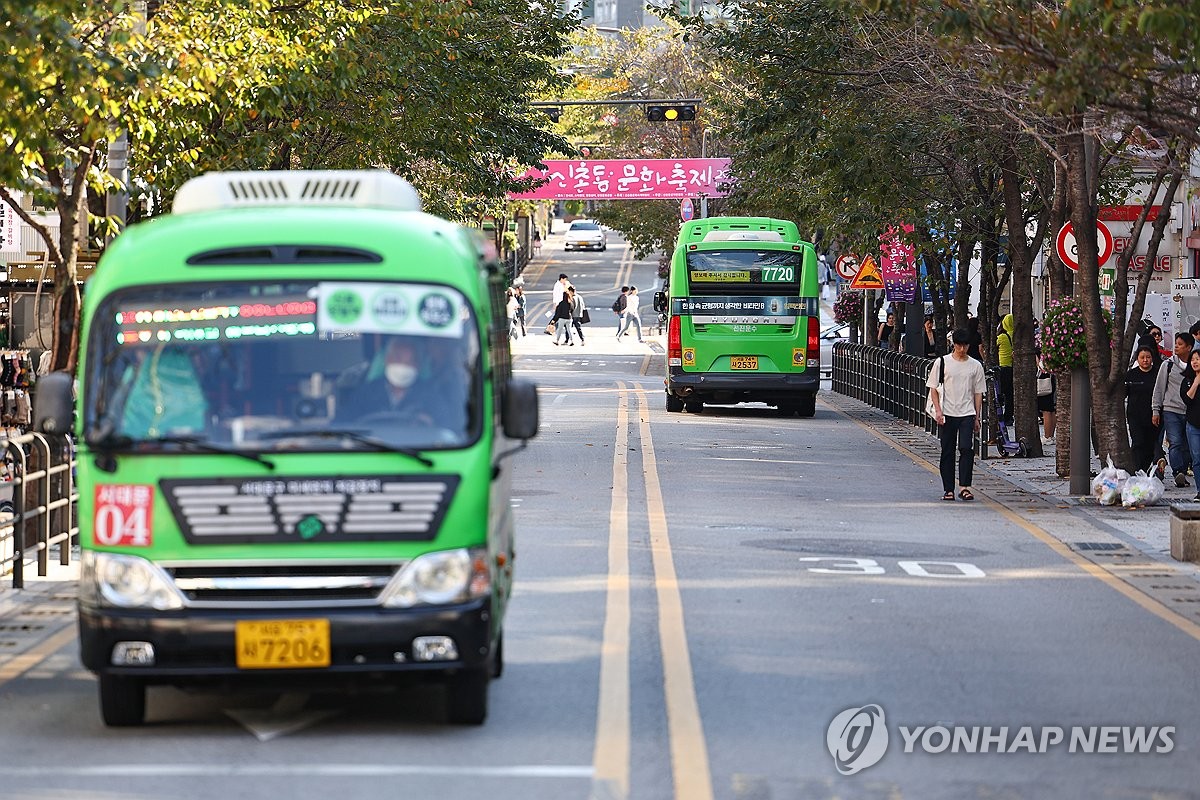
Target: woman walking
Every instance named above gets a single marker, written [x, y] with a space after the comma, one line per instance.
[578, 309]
[562, 319]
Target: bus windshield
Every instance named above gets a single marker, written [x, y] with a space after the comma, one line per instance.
[744, 272]
[284, 366]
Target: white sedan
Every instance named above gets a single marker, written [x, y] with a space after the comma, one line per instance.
[585, 234]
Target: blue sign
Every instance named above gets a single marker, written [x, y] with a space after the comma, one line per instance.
[686, 211]
[950, 267]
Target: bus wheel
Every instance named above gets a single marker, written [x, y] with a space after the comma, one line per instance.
[467, 697]
[694, 406]
[122, 701]
[807, 406]
[674, 404]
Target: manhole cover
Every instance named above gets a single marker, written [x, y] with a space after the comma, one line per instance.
[1100, 546]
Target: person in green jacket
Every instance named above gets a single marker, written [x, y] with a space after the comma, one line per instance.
[1004, 361]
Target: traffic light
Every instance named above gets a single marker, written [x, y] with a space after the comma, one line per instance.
[685, 112]
[553, 113]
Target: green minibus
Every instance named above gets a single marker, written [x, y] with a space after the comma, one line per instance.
[743, 322]
[294, 406]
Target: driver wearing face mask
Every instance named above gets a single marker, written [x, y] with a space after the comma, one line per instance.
[397, 390]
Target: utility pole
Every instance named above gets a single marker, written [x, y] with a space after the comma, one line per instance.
[117, 201]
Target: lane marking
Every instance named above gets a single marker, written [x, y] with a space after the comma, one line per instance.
[689, 752]
[315, 770]
[1095, 570]
[610, 759]
[35, 655]
[646, 364]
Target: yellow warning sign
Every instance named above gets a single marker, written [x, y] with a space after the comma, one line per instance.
[869, 276]
[689, 356]
[797, 356]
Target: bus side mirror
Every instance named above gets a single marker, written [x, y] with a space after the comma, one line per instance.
[54, 403]
[519, 415]
[660, 302]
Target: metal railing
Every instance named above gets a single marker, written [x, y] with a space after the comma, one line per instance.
[895, 384]
[44, 501]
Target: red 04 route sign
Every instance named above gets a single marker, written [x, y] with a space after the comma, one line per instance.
[1068, 247]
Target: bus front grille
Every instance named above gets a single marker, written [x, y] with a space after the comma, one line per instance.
[276, 585]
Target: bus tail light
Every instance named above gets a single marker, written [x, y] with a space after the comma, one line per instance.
[814, 344]
[674, 342]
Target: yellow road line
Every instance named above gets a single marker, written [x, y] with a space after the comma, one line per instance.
[610, 759]
[689, 752]
[645, 363]
[1095, 570]
[26, 661]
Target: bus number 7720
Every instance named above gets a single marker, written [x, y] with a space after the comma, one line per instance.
[778, 274]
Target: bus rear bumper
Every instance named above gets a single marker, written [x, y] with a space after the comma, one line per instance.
[727, 388]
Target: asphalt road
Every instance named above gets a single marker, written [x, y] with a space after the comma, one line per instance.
[697, 598]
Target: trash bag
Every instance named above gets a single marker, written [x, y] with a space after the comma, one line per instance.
[1107, 485]
[1142, 490]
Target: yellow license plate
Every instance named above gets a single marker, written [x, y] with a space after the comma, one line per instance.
[743, 362]
[282, 643]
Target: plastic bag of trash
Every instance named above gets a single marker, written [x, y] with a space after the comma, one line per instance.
[1141, 490]
[1107, 485]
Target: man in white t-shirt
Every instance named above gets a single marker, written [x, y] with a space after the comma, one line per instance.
[632, 305]
[956, 386]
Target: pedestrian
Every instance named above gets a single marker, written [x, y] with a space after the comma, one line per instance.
[511, 306]
[519, 292]
[1157, 335]
[1169, 409]
[976, 348]
[632, 304]
[1189, 387]
[537, 242]
[578, 312]
[928, 340]
[1004, 365]
[1139, 415]
[956, 386]
[824, 276]
[562, 319]
[560, 288]
[619, 305]
[1047, 399]
[885, 331]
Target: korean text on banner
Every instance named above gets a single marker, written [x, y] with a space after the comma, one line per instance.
[10, 229]
[629, 179]
[899, 265]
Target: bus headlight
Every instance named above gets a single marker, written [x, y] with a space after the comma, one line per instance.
[126, 582]
[441, 578]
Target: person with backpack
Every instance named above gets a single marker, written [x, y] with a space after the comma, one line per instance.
[632, 309]
[956, 385]
[1169, 409]
[619, 305]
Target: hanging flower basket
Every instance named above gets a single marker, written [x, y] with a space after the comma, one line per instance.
[848, 308]
[1062, 338]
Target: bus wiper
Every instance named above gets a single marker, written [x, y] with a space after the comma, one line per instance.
[107, 443]
[354, 436]
[204, 446]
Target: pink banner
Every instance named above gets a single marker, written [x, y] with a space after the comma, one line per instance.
[898, 263]
[630, 179]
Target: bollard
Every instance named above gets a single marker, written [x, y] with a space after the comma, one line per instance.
[1185, 532]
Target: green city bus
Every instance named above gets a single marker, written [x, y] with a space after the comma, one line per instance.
[743, 320]
[294, 406]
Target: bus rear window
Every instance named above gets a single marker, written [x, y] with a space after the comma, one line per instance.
[744, 272]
